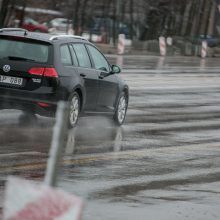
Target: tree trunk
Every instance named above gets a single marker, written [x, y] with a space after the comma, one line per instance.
[83, 15]
[206, 12]
[131, 18]
[190, 18]
[22, 13]
[195, 19]
[76, 17]
[108, 23]
[211, 24]
[186, 18]
[3, 12]
[118, 14]
[1, 4]
[200, 15]
[90, 19]
[115, 21]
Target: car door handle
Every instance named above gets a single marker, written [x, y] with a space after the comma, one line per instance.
[82, 75]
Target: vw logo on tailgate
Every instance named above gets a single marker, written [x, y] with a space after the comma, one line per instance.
[6, 68]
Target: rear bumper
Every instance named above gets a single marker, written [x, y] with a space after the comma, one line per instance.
[29, 106]
[37, 102]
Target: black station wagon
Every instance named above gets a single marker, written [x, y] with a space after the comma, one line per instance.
[38, 70]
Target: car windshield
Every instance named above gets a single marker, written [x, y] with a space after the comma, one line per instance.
[24, 50]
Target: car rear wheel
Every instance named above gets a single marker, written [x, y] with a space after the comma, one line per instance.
[121, 109]
[74, 109]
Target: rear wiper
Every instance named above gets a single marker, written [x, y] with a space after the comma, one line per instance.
[19, 58]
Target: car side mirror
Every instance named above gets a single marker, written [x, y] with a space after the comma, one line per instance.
[115, 69]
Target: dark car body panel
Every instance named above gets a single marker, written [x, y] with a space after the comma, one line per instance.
[110, 89]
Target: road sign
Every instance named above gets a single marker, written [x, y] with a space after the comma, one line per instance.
[26, 200]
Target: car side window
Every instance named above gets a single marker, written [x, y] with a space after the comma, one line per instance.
[82, 55]
[65, 55]
[74, 57]
[99, 60]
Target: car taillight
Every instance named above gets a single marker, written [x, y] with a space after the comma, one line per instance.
[44, 71]
[36, 71]
[50, 72]
[42, 104]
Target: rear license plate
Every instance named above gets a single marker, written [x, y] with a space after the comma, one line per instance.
[11, 80]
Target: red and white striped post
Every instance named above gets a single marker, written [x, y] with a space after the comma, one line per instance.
[162, 45]
[121, 44]
[204, 49]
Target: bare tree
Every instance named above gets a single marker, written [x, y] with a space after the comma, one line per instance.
[76, 16]
[4, 10]
[83, 16]
[131, 18]
[146, 19]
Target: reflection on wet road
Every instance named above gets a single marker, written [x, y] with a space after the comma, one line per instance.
[164, 163]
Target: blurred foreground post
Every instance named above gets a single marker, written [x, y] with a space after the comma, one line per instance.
[58, 141]
[26, 200]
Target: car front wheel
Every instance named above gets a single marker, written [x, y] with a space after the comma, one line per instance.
[121, 109]
[74, 109]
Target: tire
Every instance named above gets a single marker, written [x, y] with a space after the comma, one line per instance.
[121, 109]
[74, 109]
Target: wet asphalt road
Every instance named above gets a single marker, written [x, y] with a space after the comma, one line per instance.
[164, 163]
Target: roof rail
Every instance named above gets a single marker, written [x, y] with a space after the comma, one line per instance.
[55, 37]
[14, 29]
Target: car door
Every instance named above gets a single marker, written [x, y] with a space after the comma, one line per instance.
[108, 86]
[89, 75]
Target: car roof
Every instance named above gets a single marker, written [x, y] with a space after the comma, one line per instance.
[49, 38]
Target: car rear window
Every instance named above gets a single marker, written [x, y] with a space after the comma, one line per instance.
[21, 49]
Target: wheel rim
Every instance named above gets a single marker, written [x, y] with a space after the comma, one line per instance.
[74, 110]
[122, 105]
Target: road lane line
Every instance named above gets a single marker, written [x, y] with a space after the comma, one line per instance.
[22, 154]
[118, 155]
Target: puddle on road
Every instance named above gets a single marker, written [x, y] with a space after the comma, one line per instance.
[16, 139]
[93, 136]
